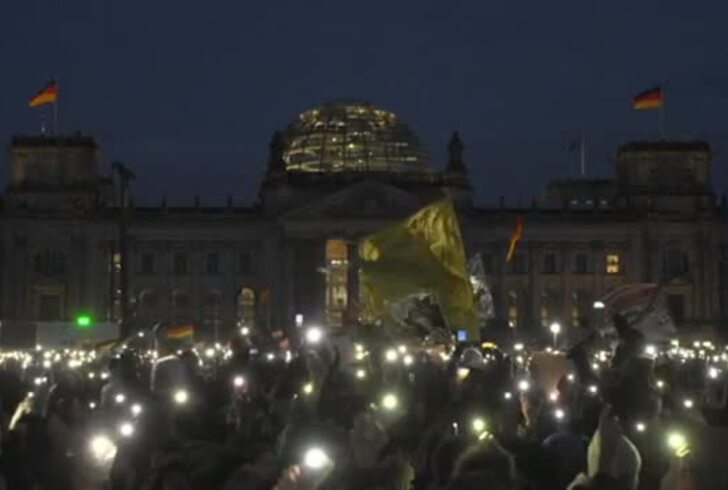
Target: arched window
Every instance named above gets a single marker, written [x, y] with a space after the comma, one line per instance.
[245, 308]
[337, 269]
[674, 263]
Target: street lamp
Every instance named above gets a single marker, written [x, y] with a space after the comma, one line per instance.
[555, 329]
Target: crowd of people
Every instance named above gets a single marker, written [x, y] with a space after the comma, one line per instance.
[364, 410]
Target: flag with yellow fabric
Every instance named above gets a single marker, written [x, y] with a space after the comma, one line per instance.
[422, 254]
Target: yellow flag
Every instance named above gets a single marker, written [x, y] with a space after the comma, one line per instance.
[421, 255]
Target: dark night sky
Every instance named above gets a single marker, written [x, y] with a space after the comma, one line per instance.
[188, 92]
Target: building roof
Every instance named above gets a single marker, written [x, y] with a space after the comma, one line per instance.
[76, 139]
[640, 146]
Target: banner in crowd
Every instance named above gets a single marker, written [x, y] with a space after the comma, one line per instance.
[421, 255]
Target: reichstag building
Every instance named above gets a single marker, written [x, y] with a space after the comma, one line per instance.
[74, 242]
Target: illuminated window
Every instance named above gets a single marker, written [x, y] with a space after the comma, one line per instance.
[245, 308]
[613, 264]
[337, 272]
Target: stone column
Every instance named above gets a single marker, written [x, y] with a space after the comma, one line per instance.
[534, 287]
[352, 283]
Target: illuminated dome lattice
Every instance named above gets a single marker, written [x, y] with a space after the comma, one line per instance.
[351, 136]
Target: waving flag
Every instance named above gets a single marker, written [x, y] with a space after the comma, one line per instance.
[649, 99]
[47, 95]
[515, 238]
[422, 255]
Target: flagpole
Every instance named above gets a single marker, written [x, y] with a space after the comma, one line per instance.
[661, 115]
[582, 155]
[55, 111]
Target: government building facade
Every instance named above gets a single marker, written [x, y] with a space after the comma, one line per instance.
[74, 243]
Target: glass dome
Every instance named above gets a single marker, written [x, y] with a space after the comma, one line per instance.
[351, 136]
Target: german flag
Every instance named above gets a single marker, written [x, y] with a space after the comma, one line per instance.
[47, 95]
[649, 99]
[515, 238]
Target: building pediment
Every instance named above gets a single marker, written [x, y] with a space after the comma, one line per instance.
[364, 200]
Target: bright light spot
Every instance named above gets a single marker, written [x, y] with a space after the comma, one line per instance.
[524, 385]
[245, 331]
[140, 334]
[181, 397]
[83, 320]
[462, 373]
[554, 396]
[660, 384]
[361, 374]
[402, 349]
[126, 429]
[408, 360]
[92, 405]
[136, 409]
[678, 443]
[209, 352]
[120, 398]
[559, 414]
[518, 347]
[713, 372]
[555, 328]
[47, 364]
[479, 425]
[308, 388]
[238, 381]
[571, 377]
[390, 401]
[640, 426]
[270, 357]
[315, 458]
[595, 367]
[688, 403]
[599, 305]
[38, 381]
[102, 448]
[314, 335]
[390, 355]
[593, 389]
[507, 395]
[91, 375]
[299, 320]
[650, 350]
